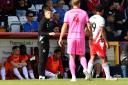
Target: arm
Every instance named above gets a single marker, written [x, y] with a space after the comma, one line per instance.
[103, 34]
[23, 63]
[15, 64]
[89, 30]
[63, 30]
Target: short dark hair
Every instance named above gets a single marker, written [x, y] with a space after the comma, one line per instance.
[99, 8]
[29, 12]
[57, 50]
[15, 47]
[23, 49]
[47, 8]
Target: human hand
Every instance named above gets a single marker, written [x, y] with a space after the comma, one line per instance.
[60, 42]
[126, 37]
[107, 45]
[52, 33]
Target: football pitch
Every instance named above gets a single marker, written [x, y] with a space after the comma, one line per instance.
[100, 81]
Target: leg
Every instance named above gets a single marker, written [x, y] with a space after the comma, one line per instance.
[84, 65]
[25, 72]
[83, 62]
[92, 56]
[72, 66]
[43, 54]
[106, 69]
[124, 70]
[17, 73]
[50, 74]
[3, 73]
[90, 64]
[31, 73]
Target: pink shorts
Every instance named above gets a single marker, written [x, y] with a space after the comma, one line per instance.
[76, 46]
[98, 48]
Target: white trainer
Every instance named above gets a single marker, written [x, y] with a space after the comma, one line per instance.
[41, 77]
[73, 79]
[111, 78]
[88, 77]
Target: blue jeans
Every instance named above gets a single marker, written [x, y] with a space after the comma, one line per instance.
[124, 70]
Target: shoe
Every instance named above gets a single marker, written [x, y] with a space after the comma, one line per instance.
[73, 79]
[111, 78]
[21, 78]
[41, 77]
[88, 76]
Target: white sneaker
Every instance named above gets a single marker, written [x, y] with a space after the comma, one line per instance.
[73, 79]
[41, 77]
[88, 77]
[21, 78]
[111, 78]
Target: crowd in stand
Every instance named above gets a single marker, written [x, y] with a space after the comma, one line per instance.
[116, 13]
[26, 15]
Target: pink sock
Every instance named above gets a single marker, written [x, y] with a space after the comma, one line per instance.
[72, 65]
[83, 62]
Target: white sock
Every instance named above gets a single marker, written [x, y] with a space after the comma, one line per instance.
[106, 70]
[90, 66]
[73, 77]
[25, 72]
[3, 74]
[31, 74]
[17, 73]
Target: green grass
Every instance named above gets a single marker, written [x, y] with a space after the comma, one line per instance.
[121, 81]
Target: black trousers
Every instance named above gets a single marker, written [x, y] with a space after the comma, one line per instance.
[43, 55]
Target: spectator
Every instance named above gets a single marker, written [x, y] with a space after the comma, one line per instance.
[55, 3]
[83, 4]
[110, 28]
[124, 33]
[30, 25]
[8, 7]
[91, 4]
[2, 72]
[34, 60]
[59, 9]
[49, 4]
[57, 23]
[124, 59]
[25, 58]
[54, 66]
[14, 65]
[22, 7]
[117, 18]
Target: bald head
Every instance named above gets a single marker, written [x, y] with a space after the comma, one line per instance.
[75, 2]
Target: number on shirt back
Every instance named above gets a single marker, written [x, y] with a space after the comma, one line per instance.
[76, 19]
[93, 26]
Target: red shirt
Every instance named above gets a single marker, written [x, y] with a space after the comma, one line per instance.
[25, 58]
[11, 58]
[54, 66]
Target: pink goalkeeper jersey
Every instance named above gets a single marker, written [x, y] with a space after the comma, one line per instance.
[76, 19]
